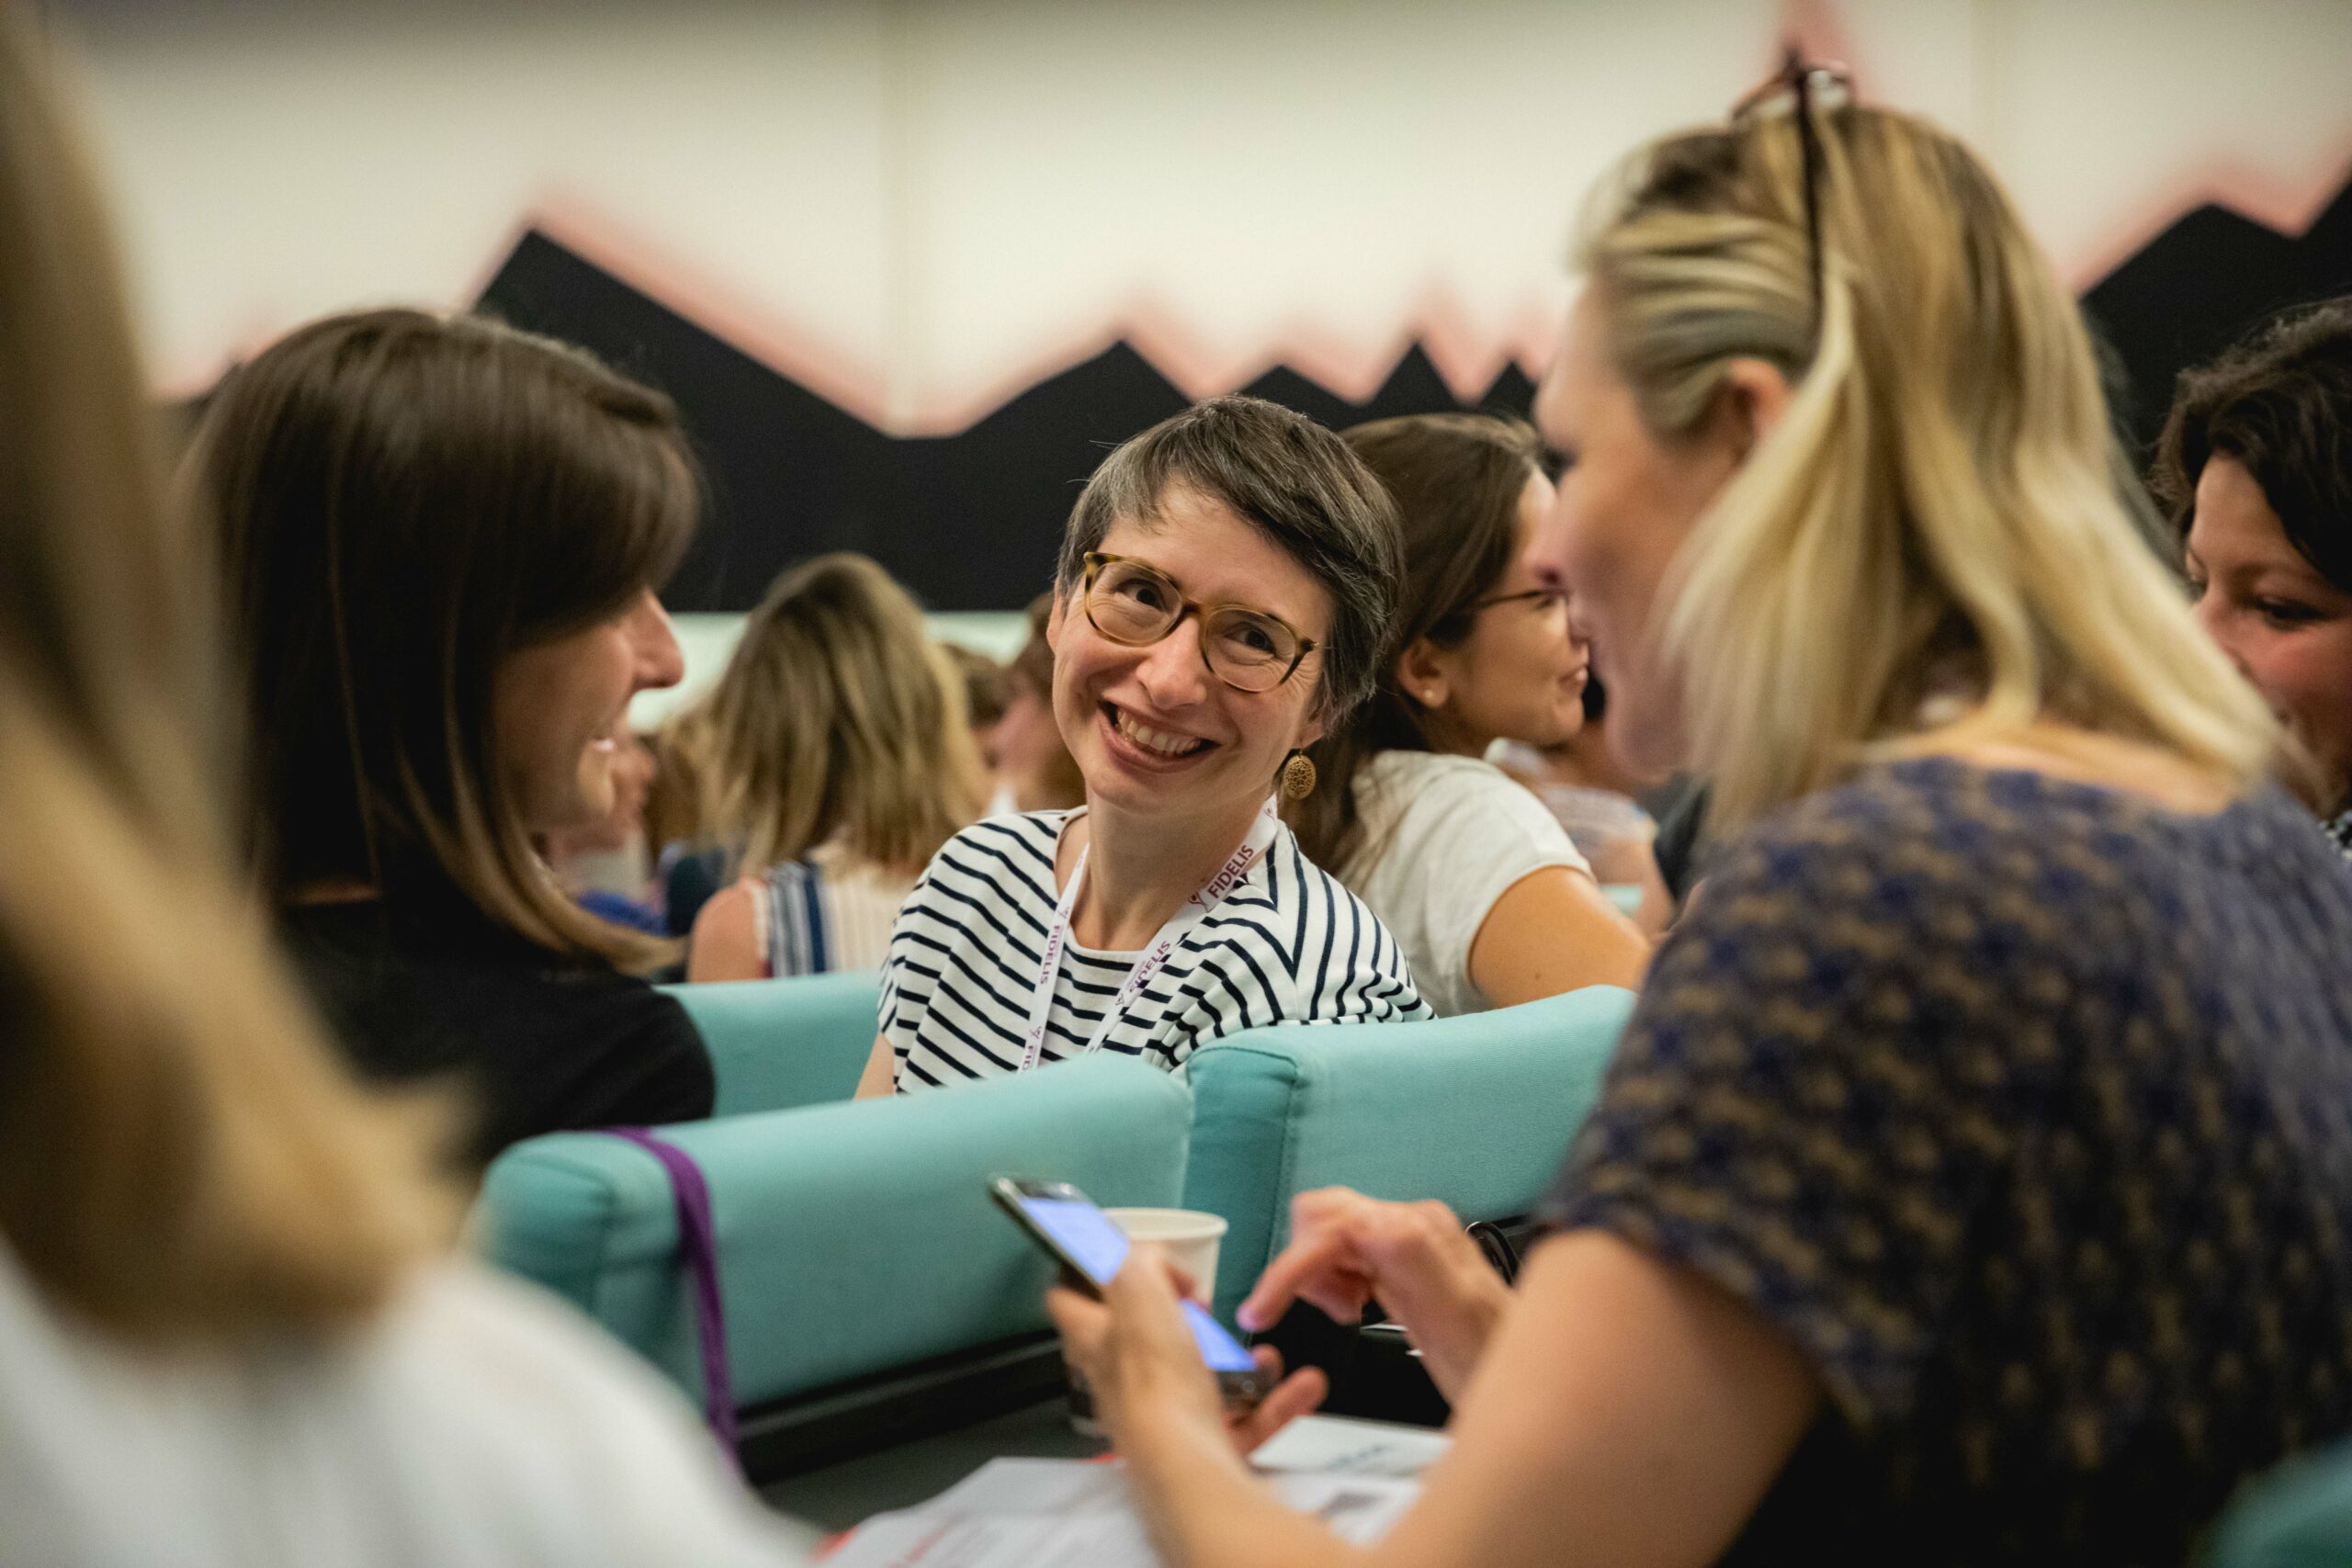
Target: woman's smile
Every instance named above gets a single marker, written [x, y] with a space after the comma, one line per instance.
[1152, 727]
[1156, 746]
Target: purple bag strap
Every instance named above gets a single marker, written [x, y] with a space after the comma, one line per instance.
[698, 1240]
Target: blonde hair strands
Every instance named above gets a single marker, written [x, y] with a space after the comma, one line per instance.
[1938, 515]
[836, 719]
[180, 1158]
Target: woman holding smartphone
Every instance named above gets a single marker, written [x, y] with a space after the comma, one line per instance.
[1973, 1181]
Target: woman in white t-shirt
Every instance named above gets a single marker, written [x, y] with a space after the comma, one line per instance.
[1223, 597]
[229, 1333]
[836, 759]
[1491, 901]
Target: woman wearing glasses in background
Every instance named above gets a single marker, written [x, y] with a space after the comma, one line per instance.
[1973, 1180]
[1224, 596]
[1489, 899]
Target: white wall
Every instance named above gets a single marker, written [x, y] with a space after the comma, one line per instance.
[920, 206]
[708, 639]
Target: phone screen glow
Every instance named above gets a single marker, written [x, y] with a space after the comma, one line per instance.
[1089, 1238]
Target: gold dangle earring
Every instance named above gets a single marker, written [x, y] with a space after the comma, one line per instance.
[1298, 777]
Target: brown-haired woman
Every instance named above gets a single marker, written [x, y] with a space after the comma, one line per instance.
[226, 1333]
[441, 542]
[839, 761]
[2256, 465]
[1473, 877]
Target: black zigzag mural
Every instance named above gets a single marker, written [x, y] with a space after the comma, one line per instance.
[2198, 287]
[967, 522]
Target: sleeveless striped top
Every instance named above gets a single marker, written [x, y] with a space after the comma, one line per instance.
[825, 912]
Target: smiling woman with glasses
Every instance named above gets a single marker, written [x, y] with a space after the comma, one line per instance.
[1492, 901]
[1224, 599]
[1134, 602]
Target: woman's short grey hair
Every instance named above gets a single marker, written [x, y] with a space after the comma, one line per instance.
[1293, 480]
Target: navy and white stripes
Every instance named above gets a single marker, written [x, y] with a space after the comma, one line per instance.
[795, 919]
[1288, 945]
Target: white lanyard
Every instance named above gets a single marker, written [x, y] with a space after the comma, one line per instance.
[1156, 956]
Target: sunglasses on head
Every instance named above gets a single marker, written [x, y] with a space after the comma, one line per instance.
[1800, 87]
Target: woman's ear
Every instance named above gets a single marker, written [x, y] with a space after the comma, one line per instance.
[1751, 401]
[1423, 673]
[1054, 622]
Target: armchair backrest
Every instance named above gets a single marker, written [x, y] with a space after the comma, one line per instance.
[1477, 1112]
[853, 1238]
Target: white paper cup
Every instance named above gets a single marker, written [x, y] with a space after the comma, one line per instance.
[1190, 1238]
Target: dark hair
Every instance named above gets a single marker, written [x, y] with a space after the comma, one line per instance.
[2281, 404]
[1032, 668]
[406, 500]
[1293, 481]
[1457, 479]
[1060, 783]
[987, 685]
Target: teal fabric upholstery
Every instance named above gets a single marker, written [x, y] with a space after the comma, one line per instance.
[1626, 896]
[1477, 1112]
[777, 1044]
[853, 1238]
[2300, 1516]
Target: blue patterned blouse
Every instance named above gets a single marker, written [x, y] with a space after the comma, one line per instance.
[2024, 1109]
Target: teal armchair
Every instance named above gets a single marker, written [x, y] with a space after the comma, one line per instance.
[853, 1238]
[1477, 1112]
[778, 1045]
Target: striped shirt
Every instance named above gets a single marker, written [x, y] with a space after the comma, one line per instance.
[1287, 945]
[830, 911]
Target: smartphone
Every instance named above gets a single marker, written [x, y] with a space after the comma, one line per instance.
[1089, 1247]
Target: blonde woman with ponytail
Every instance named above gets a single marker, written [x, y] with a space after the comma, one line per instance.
[837, 760]
[229, 1332]
[1973, 1181]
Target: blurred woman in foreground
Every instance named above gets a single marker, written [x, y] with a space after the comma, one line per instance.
[227, 1336]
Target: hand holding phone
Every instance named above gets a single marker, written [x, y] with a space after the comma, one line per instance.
[1091, 1247]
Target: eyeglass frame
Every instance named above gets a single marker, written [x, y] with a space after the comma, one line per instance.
[1797, 77]
[1477, 605]
[1095, 561]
